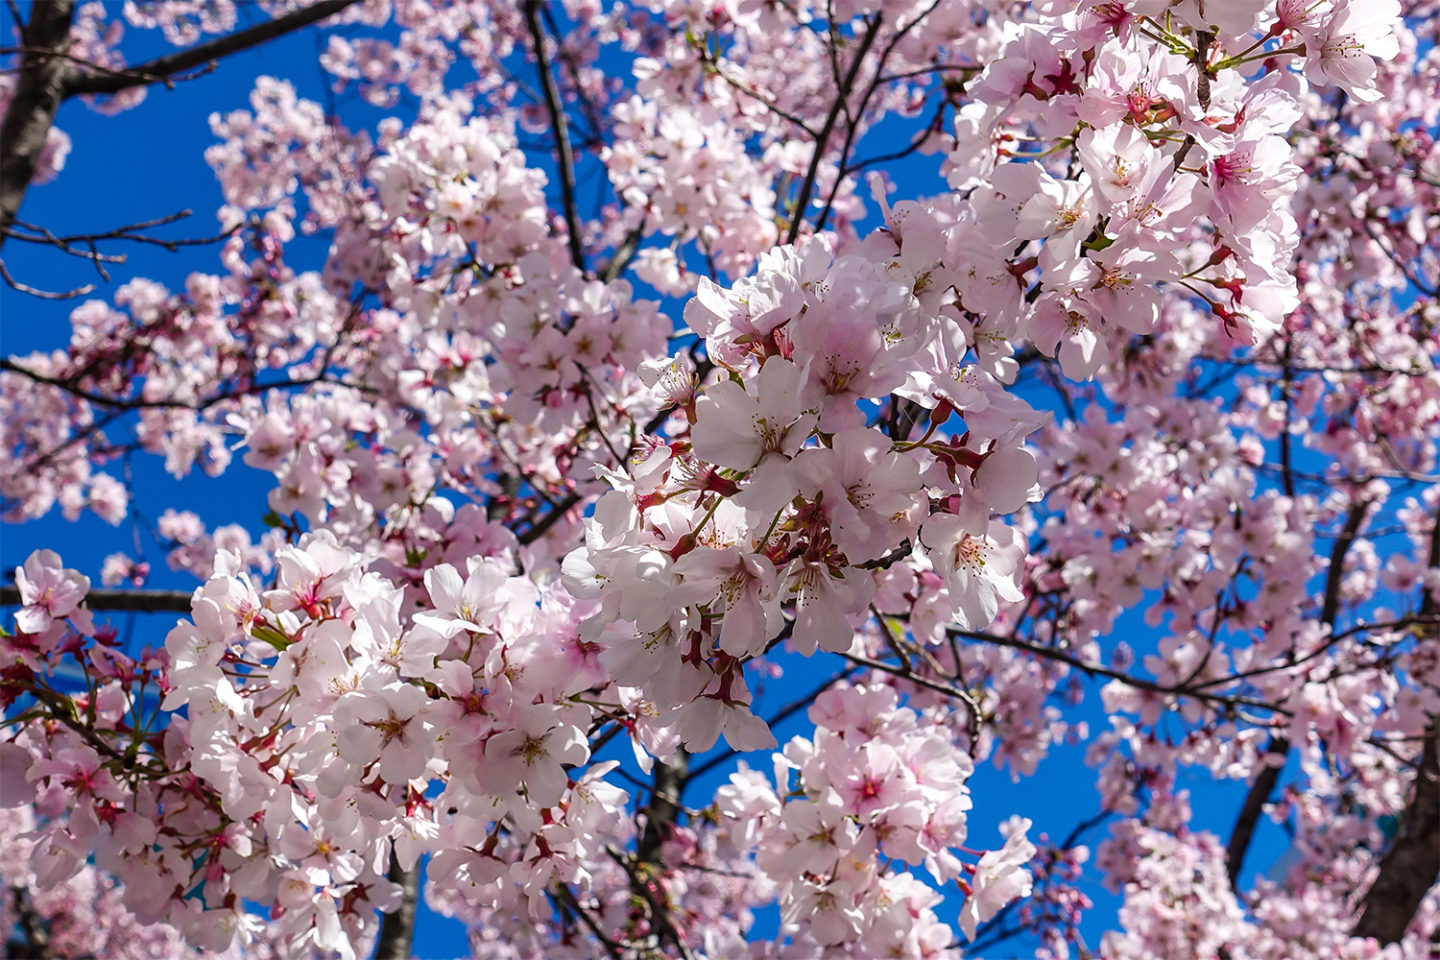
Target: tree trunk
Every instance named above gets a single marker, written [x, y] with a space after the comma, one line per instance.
[1412, 864]
[397, 930]
[39, 91]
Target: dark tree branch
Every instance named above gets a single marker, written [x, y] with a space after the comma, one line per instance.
[572, 67]
[61, 708]
[36, 945]
[1095, 669]
[1279, 746]
[168, 67]
[397, 930]
[39, 91]
[84, 246]
[936, 125]
[14, 284]
[623, 254]
[1330, 603]
[908, 674]
[563, 149]
[47, 78]
[71, 386]
[649, 893]
[1412, 864]
[142, 601]
[129, 232]
[807, 186]
[852, 123]
[1335, 638]
[708, 58]
[566, 896]
[668, 782]
[1254, 805]
[994, 931]
[538, 529]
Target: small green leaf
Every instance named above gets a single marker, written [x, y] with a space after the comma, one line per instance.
[270, 635]
[1100, 242]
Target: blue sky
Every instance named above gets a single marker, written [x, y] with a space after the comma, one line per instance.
[148, 162]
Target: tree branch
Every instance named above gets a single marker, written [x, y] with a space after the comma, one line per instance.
[567, 897]
[649, 893]
[623, 254]
[14, 284]
[562, 135]
[70, 385]
[167, 67]
[140, 601]
[397, 930]
[1250, 810]
[539, 527]
[1411, 866]
[1279, 746]
[39, 91]
[852, 123]
[1095, 669]
[47, 78]
[669, 781]
[807, 186]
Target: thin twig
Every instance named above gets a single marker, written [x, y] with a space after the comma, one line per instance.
[807, 186]
[69, 385]
[43, 294]
[1139, 683]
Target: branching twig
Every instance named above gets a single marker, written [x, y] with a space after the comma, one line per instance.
[566, 896]
[47, 78]
[659, 913]
[129, 232]
[538, 528]
[14, 284]
[69, 385]
[807, 186]
[1095, 669]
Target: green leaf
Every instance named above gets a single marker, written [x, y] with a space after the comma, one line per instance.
[270, 635]
[1099, 243]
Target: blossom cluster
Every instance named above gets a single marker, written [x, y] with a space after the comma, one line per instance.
[780, 496]
[318, 720]
[874, 786]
